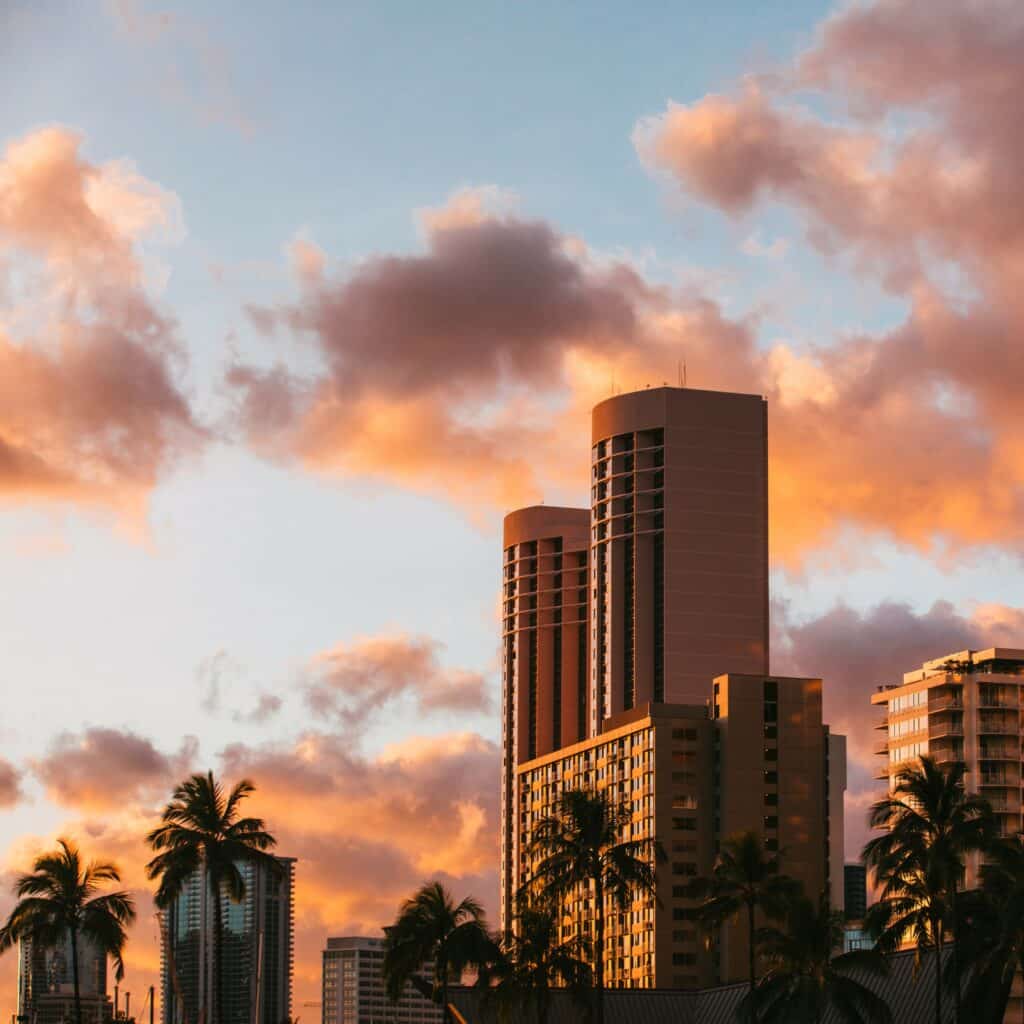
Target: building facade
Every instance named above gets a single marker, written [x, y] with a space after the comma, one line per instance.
[257, 949]
[690, 776]
[964, 707]
[353, 987]
[46, 982]
[635, 661]
[855, 883]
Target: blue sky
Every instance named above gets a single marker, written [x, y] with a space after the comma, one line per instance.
[337, 123]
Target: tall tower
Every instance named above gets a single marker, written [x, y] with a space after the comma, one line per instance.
[257, 950]
[544, 650]
[679, 556]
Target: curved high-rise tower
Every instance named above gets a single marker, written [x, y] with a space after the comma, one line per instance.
[679, 545]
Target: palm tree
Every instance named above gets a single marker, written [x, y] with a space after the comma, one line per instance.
[59, 899]
[581, 847]
[931, 826]
[202, 830]
[992, 924]
[806, 977]
[745, 879]
[432, 927]
[533, 962]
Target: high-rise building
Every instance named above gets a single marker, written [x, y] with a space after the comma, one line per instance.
[635, 662]
[679, 545]
[353, 987]
[855, 884]
[257, 952]
[46, 982]
[963, 707]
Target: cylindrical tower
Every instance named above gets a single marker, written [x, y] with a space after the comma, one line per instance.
[679, 545]
[544, 650]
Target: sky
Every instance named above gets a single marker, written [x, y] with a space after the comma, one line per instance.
[296, 303]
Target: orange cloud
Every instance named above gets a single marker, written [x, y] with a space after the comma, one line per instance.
[90, 409]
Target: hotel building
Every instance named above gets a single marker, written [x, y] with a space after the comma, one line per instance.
[635, 661]
[963, 707]
[353, 987]
[257, 949]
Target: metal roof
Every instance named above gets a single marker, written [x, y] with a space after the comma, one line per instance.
[910, 998]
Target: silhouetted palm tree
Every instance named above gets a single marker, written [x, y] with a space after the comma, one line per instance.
[60, 899]
[745, 879]
[533, 961]
[202, 830]
[992, 925]
[431, 927]
[806, 976]
[931, 825]
[581, 847]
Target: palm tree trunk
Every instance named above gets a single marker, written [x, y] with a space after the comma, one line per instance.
[956, 957]
[599, 946]
[74, 973]
[218, 954]
[750, 950]
[938, 974]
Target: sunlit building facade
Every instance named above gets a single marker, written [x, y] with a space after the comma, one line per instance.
[635, 661]
[963, 708]
[257, 949]
[354, 992]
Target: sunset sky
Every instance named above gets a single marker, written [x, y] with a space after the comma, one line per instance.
[293, 306]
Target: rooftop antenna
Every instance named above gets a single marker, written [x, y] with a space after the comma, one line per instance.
[682, 373]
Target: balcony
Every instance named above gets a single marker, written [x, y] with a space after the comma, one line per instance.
[945, 704]
[999, 779]
[998, 726]
[998, 753]
[937, 729]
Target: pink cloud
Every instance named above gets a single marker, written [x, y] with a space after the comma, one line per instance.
[103, 767]
[10, 784]
[351, 682]
[90, 408]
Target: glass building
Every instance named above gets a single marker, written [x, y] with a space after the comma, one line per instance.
[257, 955]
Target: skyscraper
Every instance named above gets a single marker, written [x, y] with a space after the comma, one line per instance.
[353, 987]
[635, 662]
[257, 949]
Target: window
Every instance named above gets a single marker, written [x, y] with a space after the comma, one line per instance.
[771, 777]
[771, 753]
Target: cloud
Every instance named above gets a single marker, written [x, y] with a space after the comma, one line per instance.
[927, 204]
[267, 706]
[854, 652]
[90, 407]
[10, 784]
[104, 768]
[466, 370]
[353, 681]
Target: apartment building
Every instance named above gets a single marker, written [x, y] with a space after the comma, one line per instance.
[353, 987]
[963, 707]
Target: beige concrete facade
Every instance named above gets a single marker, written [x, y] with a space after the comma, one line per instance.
[692, 775]
[963, 707]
